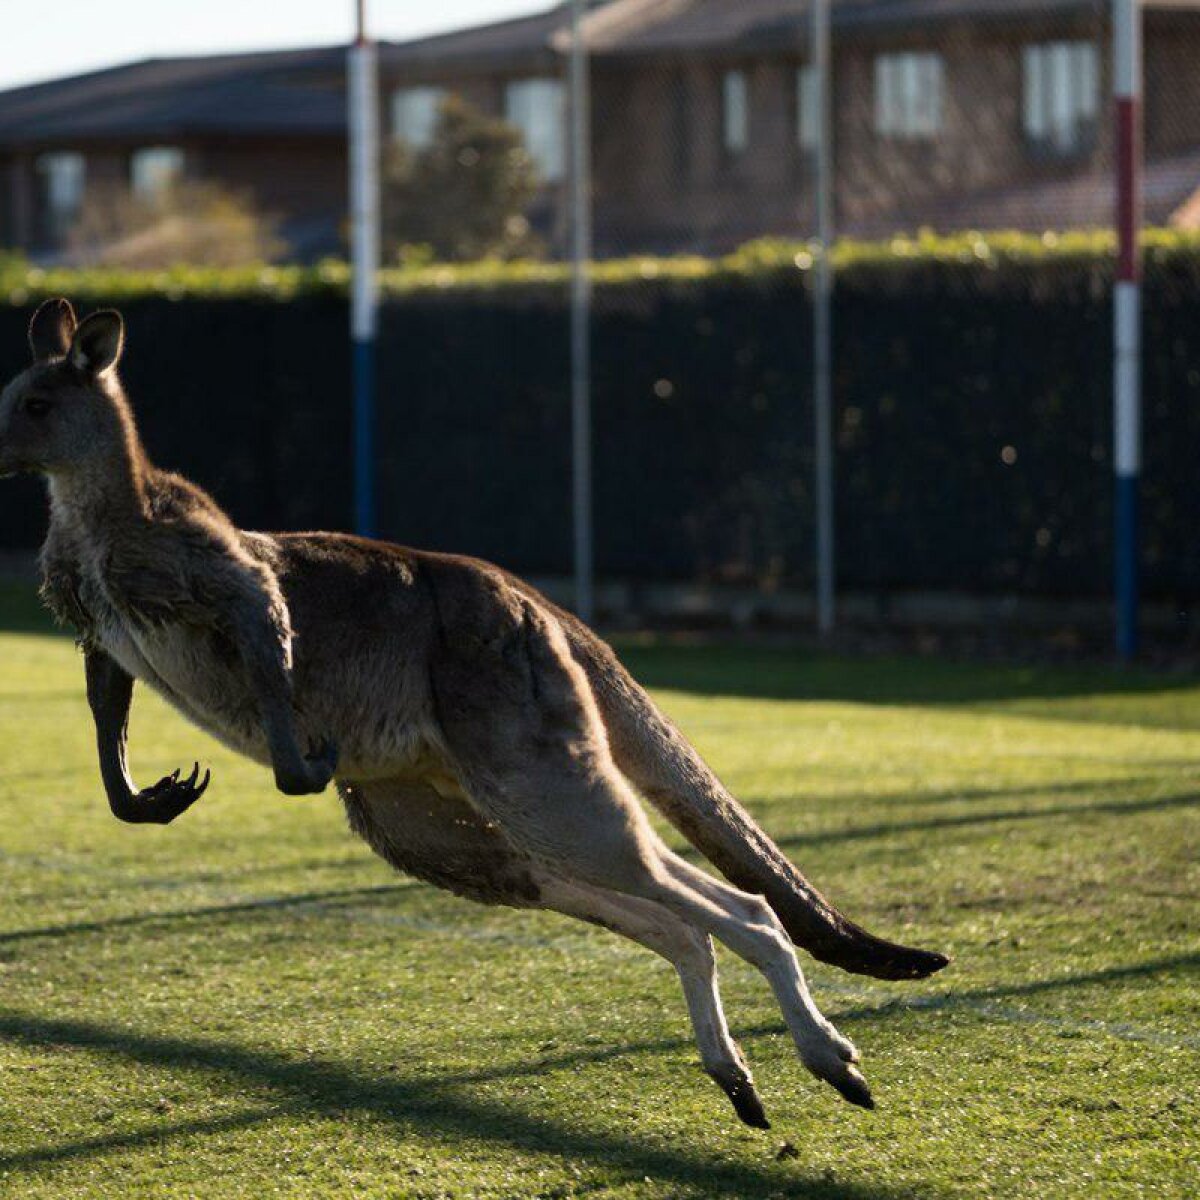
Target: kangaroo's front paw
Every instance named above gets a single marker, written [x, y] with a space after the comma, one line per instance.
[311, 774]
[169, 798]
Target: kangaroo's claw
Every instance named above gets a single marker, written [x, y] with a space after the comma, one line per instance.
[171, 796]
[851, 1085]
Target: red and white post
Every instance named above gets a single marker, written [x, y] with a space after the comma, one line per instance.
[1127, 317]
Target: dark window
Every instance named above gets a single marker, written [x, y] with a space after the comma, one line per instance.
[681, 127]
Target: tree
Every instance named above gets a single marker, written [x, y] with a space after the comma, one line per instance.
[191, 222]
[465, 194]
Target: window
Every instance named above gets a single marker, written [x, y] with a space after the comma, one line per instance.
[908, 95]
[153, 171]
[735, 109]
[808, 131]
[535, 107]
[681, 126]
[1062, 96]
[415, 113]
[61, 178]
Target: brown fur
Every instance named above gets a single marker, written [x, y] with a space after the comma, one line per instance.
[482, 739]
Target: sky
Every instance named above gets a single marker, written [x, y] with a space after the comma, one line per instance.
[70, 36]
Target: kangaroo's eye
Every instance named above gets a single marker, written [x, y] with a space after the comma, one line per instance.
[37, 406]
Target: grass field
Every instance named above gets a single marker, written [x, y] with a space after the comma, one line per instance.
[248, 1004]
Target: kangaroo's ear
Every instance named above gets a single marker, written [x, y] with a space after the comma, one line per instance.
[51, 329]
[98, 343]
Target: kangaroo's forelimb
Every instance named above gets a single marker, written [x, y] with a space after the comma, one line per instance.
[110, 694]
[248, 602]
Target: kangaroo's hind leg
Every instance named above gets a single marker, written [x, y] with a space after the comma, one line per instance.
[690, 952]
[443, 840]
[521, 725]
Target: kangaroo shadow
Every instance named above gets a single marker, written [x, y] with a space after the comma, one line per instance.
[444, 1108]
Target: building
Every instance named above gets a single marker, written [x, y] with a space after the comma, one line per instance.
[270, 123]
[946, 113]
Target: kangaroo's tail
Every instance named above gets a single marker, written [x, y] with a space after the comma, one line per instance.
[660, 761]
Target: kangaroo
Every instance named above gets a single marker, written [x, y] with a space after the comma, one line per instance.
[481, 738]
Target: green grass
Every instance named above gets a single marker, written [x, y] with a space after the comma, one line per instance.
[248, 1004]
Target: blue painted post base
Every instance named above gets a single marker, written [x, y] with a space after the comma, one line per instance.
[1128, 554]
[364, 437]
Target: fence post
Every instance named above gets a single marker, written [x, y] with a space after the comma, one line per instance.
[823, 321]
[1127, 302]
[362, 94]
[581, 316]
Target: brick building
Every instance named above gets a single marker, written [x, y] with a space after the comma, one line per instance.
[949, 113]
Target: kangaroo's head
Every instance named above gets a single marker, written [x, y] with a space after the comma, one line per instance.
[65, 410]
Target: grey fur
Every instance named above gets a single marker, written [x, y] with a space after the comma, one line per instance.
[482, 739]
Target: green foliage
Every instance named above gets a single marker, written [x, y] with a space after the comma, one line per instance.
[191, 222]
[464, 196]
[23, 284]
[249, 1004]
[976, 260]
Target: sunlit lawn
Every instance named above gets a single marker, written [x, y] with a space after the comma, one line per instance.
[247, 1003]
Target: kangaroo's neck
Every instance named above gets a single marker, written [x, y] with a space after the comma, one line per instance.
[107, 489]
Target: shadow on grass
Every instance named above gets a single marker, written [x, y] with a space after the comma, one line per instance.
[328, 899]
[21, 611]
[990, 817]
[774, 673]
[444, 1108]
[982, 1001]
[915, 797]
[1187, 963]
[334, 898]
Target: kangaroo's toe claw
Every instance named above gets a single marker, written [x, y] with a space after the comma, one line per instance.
[850, 1084]
[739, 1087]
